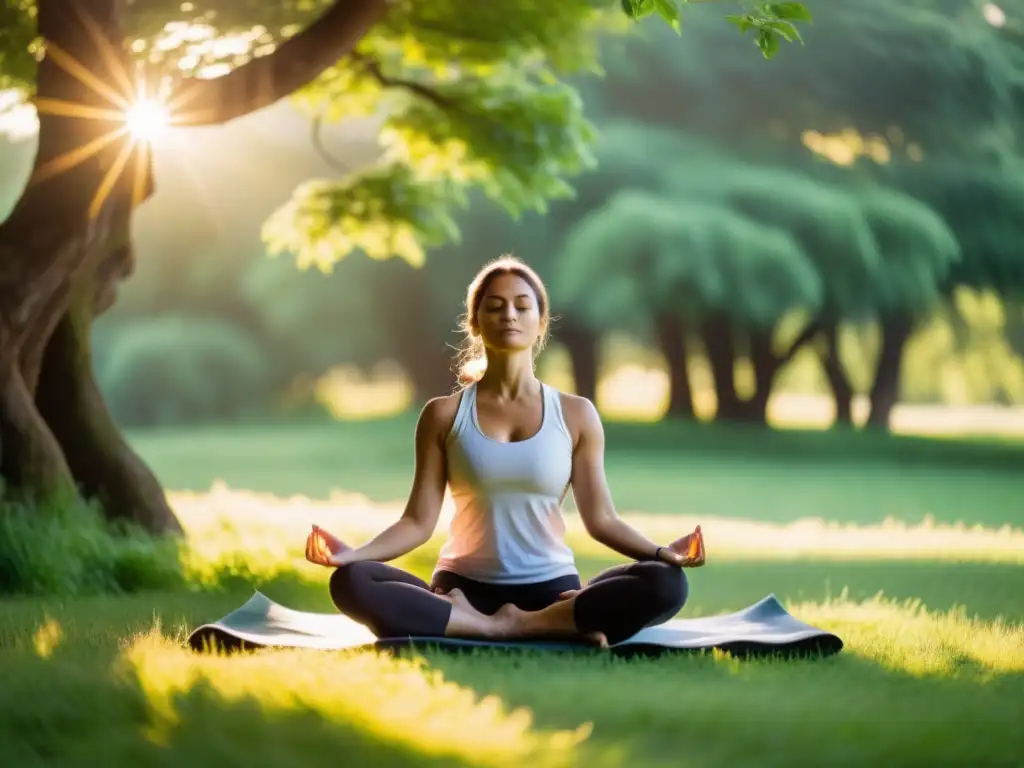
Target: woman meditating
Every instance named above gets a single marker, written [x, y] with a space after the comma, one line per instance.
[508, 447]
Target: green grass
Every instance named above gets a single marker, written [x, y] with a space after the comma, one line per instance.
[932, 672]
[664, 469]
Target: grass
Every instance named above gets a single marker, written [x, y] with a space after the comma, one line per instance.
[929, 608]
[663, 469]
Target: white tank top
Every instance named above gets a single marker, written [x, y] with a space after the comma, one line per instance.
[508, 526]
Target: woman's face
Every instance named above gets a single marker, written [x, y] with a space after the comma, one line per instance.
[508, 318]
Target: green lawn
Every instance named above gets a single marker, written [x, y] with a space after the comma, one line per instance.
[932, 673]
[664, 469]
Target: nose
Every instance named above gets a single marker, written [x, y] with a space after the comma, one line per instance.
[508, 312]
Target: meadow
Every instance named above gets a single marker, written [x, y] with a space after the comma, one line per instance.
[911, 549]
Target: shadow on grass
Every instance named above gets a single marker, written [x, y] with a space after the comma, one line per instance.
[846, 710]
[706, 709]
[87, 717]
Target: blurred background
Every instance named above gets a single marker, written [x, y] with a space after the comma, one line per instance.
[830, 241]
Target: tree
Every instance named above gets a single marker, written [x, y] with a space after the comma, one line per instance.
[830, 229]
[501, 119]
[688, 269]
[878, 79]
[983, 206]
[918, 251]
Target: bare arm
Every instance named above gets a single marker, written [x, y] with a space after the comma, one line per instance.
[418, 521]
[590, 489]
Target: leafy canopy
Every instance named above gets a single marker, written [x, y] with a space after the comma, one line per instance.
[468, 95]
[644, 254]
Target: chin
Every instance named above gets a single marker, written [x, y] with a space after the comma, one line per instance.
[509, 343]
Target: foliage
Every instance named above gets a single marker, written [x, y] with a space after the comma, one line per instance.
[983, 204]
[824, 220]
[314, 321]
[176, 369]
[684, 259]
[469, 95]
[68, 550]
[917, 247]
[879, 80]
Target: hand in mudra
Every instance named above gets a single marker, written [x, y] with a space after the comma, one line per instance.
[686, 552]
[323, 548]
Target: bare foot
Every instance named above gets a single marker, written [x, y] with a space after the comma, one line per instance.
[554, 621]
[466, 621]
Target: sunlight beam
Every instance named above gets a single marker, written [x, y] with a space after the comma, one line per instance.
[73, 67]
[69, 160]
[110, 178]
[147, 119]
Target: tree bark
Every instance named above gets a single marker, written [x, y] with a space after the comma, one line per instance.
[672, 340]
[720, 349]
[842, 390]
[766, 367]
[67, 241]
[582, 344]
[885, 389]
[70, 401]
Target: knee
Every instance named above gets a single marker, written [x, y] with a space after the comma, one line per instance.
[668, 586]
[346, 585]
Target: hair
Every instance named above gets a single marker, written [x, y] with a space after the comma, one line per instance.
[472, 358]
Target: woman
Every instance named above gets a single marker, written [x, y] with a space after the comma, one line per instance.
[509, 447]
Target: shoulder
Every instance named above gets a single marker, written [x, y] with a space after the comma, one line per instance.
[438, 416]
[581, 417]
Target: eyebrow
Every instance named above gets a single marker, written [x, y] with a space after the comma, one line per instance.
[502, 298]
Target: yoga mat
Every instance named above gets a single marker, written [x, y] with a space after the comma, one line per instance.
[764, 628]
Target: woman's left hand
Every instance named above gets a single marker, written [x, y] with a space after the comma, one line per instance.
[687, 551]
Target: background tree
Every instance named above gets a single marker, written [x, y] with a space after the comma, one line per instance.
[501, 120]
[688, 269]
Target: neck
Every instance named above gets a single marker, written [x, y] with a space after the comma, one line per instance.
[509, 375]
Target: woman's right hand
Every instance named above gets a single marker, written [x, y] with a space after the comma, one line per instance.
[323, 548]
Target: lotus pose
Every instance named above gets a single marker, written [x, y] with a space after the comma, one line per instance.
[508, 447]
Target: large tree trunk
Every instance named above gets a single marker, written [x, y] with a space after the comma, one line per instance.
[720, 349]
[885, 390]
[583, 346]
[67, 241]
[842, 390]
[766, 366]
[70, 217]
[69, 398]
[672, 340]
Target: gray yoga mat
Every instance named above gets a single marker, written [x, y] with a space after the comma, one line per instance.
[764, 628]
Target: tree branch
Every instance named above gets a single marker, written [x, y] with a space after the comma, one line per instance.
[265, 80]
[372, 66]
[316, 136]
[807, 335]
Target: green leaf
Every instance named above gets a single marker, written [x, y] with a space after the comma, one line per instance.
[741, 22]
[793, 11]
[785, 29]
[638, 9]
[768, 42]
[669, 11]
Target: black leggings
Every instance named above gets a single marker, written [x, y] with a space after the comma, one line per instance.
[619, 601]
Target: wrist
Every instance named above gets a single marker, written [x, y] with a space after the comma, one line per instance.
[345, 557]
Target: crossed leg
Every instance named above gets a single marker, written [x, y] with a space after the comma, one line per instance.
[613, 606]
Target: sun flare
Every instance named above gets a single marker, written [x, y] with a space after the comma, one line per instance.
[147, 119]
